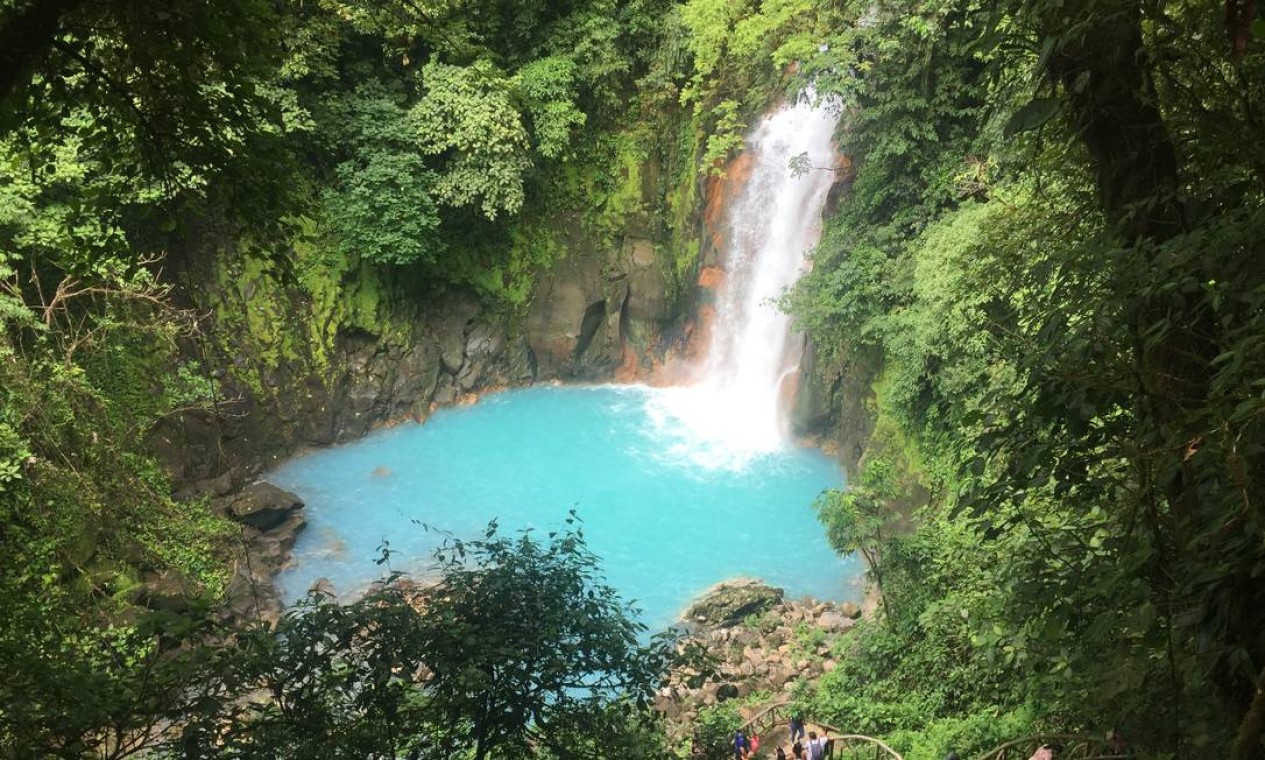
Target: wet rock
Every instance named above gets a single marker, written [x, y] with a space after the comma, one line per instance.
[272, 548]
[251, 595]
[415, 376]
[445, 392]
[484, 347]
[452, 350]
[263, 506]
[729, 603]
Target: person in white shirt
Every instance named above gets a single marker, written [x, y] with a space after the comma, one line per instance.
[816, 747]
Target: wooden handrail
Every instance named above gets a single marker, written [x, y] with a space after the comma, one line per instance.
[751, 722]
[1075, 747]
[772, 715]
[878, 744]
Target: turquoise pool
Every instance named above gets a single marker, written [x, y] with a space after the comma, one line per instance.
[668, 509]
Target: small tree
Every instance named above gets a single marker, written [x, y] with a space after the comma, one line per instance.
[528, 648]
[861, 518]
[518, 649]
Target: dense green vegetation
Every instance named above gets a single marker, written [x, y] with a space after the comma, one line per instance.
[1052, 261]
[1049, 259]
[163, 162]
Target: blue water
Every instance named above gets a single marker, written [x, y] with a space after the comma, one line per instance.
[667, 525]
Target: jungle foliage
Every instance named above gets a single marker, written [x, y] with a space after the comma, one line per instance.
[346, 151]
[519, 647]
[1049, 254]
[1051, 257]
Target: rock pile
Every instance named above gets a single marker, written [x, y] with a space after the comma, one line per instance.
[753, 639]
[271, 519]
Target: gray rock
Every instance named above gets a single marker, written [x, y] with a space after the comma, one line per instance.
[271, 549]
[263, 506]
[729, 603]
[486, 340]
[168, 591]
[484, 347]
[834, 622]
[253, 596]
[452, 350]
[445, 392]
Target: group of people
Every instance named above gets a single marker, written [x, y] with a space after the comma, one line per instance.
[804, 745]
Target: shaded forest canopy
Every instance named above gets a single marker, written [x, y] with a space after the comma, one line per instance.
[1047, 273]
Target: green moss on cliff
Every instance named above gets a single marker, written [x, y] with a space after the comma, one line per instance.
[270, 316]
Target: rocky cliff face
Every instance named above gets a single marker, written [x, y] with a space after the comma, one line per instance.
[834, 406]
[301, 362]
[438, 356]
[600, 310]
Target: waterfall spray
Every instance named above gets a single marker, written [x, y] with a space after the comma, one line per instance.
[737, 408]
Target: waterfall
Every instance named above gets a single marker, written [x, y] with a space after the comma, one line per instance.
[737, 407]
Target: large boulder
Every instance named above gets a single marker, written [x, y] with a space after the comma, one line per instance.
[169, 590]
[272, 548]
[729, 603]
[484, 345]
[263, 506]
[834, 622]
[567, 326]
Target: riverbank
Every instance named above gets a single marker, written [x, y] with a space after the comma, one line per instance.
[749, 639]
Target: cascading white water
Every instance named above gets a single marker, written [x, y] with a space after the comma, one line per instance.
[736, 409]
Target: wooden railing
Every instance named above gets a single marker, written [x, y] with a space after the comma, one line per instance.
[858, 746]
[764, 721]
[841, 746]
[1073, 747]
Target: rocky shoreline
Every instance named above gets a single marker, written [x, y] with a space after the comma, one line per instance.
[743, 635]
[752, 638]
[270, 520]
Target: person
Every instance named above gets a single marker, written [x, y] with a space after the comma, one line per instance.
[797, 726]
[816, 747]
[740, 745]
[797, 750]
[1115, 743]
[1044, 752]
[753, 745]
[781, 753]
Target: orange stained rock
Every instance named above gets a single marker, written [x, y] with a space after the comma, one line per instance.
[711, 277]
[629, 367]
[720, 192]
[843, 165]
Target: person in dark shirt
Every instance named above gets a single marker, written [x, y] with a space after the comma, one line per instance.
[797, 727]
